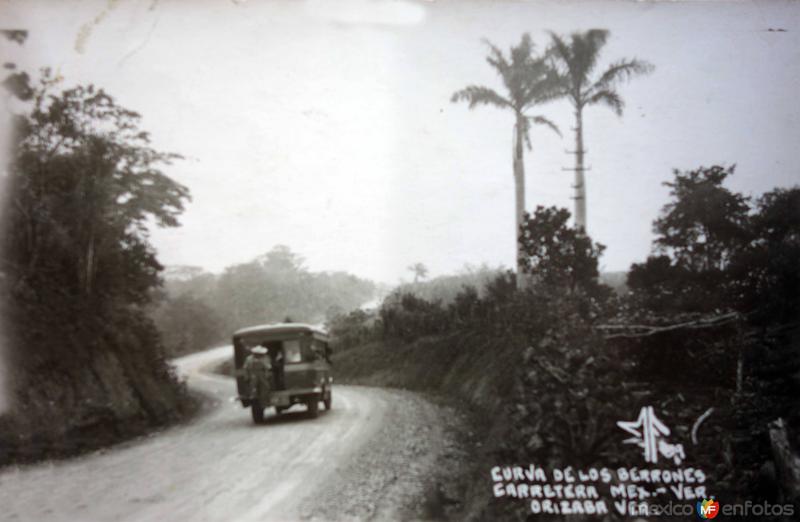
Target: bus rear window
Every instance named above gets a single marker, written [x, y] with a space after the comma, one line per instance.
[291, 351]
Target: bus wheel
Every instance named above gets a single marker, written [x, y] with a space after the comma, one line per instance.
[257, 410]
[313, 407]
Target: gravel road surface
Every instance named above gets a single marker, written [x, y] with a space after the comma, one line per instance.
[377, 455]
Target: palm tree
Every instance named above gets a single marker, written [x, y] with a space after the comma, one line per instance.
[576, 62]
[420, 271]
[528, 80]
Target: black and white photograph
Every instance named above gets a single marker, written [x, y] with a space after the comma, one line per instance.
[399, 260]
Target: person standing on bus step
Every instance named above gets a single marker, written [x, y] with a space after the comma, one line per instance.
[258, 371]
[276, 358]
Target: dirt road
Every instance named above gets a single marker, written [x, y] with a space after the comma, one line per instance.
[223, 467]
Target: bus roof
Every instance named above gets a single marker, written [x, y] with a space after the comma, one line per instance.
[280, 329]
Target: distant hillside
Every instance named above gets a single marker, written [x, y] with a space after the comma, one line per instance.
[615, 280]
[199, 309]
[181, 272]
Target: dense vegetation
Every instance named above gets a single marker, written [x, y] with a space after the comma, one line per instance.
[711, 321]
[198, 309]
[78, 271]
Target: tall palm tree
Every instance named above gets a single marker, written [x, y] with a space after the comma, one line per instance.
[528, 80]
[576, 62]
[420, 271]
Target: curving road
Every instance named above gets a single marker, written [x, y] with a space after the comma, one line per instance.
[219, 467]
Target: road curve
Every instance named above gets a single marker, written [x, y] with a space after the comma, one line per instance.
[218, 467]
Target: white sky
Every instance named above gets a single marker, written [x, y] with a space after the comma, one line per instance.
[327, 126]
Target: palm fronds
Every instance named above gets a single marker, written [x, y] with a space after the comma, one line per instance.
[478, 95]
[610, 98]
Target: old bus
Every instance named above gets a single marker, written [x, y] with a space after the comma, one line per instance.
[299, 356]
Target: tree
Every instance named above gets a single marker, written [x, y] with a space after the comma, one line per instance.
[706, 223]
[558, 256]
[724, 288]
[85, 185]
[766, 270]
[528, 81]
[82, 189]
[188, 325]
[276, 284]
[699, 233]
[661, 286]
[576, 61]
[420, 271]
[766, 284]
[282, 260]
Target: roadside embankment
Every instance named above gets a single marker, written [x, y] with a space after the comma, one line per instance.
[471, 379]
[442, 365]
[97, 399]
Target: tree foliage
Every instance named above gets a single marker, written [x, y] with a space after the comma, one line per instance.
[187, 324]
[576, 60]
[705, 224]
[718, 253]
[527, 79]
[766, 269]
[265, 290]
[557, 255]
[84, 186]
[700, 234]
[419, 270]
[82, 189]
[716, 250]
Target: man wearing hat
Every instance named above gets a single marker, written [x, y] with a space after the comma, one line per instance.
[258, 370]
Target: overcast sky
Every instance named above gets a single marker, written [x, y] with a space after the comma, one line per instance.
[327, 126]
